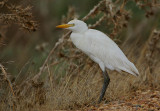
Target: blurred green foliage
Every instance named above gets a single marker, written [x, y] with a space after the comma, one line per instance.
[20, 46]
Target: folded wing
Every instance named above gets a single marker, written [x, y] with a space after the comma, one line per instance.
[101, 46]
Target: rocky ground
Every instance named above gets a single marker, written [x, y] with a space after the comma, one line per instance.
[141, 101]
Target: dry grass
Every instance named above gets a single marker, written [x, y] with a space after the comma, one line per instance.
[17, 14]
[70, 80]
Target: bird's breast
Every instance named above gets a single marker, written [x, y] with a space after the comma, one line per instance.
[78, 40]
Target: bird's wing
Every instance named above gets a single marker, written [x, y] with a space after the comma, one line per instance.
[99, 45]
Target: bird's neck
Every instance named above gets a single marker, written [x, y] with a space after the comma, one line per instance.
[81, 31]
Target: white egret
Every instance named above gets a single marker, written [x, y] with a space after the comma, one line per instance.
[101, 49]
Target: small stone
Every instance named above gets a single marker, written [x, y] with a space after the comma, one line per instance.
[137, 105]
[150, 105]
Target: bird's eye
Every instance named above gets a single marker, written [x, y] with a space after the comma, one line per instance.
[73, 24]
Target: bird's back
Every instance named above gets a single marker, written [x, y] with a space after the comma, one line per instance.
[100, 47]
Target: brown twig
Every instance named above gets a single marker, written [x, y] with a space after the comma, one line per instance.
[123, 4]
[18, 15]
[50, 78]
[153, 41]
[9, 83]
[98, 22]
[6, 78]
[93, 10]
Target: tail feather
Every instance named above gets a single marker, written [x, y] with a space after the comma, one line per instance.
[130, 68]
[133, 69]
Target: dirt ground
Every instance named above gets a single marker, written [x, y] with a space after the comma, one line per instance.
[141, 101]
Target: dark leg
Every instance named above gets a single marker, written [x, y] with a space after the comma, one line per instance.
[105, 85]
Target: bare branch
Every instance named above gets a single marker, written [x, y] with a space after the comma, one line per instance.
[6, 78]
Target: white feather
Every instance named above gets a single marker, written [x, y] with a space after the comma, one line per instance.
[100, 48]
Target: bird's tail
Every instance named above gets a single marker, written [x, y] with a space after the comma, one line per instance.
[130, 68]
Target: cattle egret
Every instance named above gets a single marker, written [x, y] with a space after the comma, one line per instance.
[101, 49]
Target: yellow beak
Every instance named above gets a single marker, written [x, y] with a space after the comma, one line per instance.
[65, 26]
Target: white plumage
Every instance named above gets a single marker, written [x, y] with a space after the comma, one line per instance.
[102, 50]
[99, 47]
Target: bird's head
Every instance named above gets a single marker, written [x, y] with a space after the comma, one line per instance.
[76, 26]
